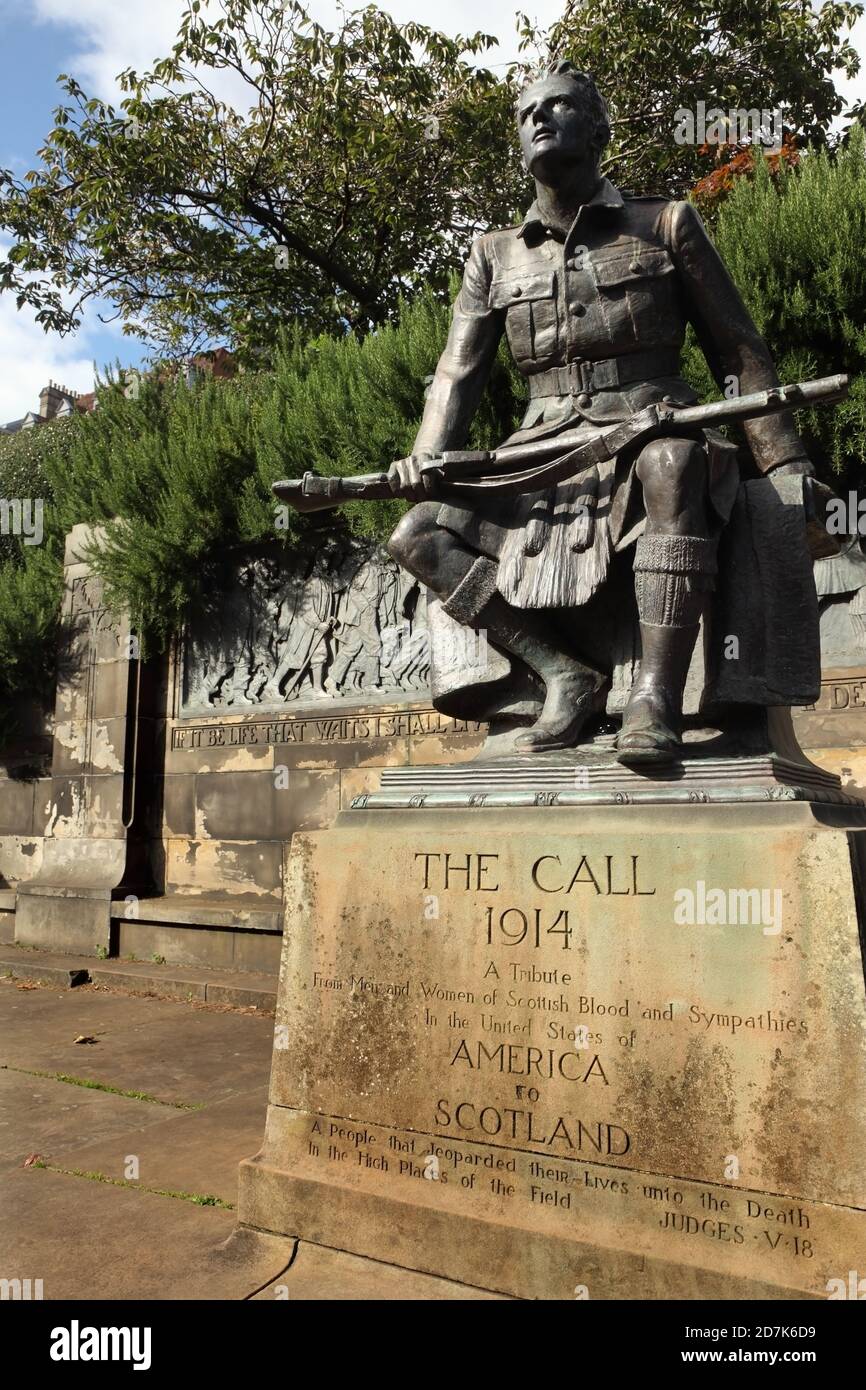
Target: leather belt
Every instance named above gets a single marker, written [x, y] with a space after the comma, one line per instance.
[580, 376]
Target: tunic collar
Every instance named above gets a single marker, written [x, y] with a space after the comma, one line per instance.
[605, 196]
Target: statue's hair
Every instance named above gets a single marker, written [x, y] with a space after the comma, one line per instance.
[591, 100]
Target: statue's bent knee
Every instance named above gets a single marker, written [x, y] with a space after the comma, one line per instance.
[671, 472]
[414, 537]
[672, 462]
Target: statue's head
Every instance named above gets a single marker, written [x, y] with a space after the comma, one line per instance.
[562, 120]
[327, 556]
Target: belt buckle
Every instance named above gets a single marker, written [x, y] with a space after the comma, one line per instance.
[580, 377]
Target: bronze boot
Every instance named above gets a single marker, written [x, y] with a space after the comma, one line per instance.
[572, 688]
[672, 577]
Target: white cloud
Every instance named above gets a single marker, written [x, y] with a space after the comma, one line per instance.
[112, 37]
[30, 357]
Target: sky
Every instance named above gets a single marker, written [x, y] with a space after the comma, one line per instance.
[95, 40]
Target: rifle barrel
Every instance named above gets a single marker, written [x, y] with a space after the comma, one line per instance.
[825, 390]
[312, 493]
[775, 399]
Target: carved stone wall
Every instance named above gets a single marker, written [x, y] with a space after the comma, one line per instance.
[176, 786]
[833, 730]
[841, 585]
[338, 624]
[67, 901]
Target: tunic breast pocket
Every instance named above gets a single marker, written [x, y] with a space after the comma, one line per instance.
[531, 319]
[638, 295]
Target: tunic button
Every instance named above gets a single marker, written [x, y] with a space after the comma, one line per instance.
[517, 291]
[635, 267]
[584, 398]
[578, 310]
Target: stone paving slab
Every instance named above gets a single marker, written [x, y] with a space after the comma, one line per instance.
[193, 1151]
[50, 1117]
[318, 1274]
[168, 1049]
[89, 1240]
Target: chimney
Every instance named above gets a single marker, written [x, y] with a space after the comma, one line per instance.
[51, 397]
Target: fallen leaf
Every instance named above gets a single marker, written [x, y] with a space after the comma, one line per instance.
[30, 1160]
[85, 1038]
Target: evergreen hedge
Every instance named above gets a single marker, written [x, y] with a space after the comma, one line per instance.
[176, 474]
[793, 241]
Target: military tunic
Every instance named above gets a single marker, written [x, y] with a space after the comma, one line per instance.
[596, 322]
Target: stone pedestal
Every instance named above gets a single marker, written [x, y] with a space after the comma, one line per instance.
[604, 1052]
[86, 848]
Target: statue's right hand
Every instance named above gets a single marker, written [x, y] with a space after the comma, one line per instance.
[405, 478]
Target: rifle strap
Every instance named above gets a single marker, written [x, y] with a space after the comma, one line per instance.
[535, 479]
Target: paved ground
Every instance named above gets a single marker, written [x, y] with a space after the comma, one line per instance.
[119, 1156]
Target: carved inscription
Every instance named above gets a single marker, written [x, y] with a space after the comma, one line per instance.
[349, 729]
[841, 695]
[524, 1027]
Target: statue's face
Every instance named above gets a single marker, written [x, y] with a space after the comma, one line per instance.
[553, 129]
[327, 557]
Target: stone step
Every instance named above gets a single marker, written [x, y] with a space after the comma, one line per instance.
[246, 911]
[247, 989]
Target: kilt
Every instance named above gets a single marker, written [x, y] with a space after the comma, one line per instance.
[554, 547]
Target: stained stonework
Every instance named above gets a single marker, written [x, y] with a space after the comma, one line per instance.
[89, 799]
[339, 624]
[621, 1050]
[840, 581]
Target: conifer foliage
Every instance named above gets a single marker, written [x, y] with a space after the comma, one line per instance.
[174, 475]
[793, 241]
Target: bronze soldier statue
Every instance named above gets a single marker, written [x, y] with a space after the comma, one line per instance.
[594, 290]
